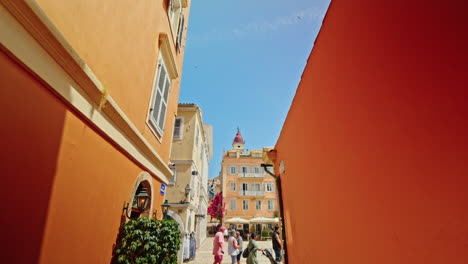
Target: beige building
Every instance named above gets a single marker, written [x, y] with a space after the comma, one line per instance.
[249, 192]
[187, 189]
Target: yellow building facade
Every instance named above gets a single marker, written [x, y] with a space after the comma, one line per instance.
[190, 156]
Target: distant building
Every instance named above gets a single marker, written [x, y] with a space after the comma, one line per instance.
[248, 192]
[191, 152]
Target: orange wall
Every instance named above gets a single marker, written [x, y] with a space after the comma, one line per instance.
[119, 42]
[377, 174]
[63, 184]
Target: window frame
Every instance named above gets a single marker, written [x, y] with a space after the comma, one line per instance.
[258, 205]
[154, 123]
[231, 184]
[272, 205]
[181, 128]
[245, 205]
[233, 202]
[231, 170]
[269, 187]
[180, 31]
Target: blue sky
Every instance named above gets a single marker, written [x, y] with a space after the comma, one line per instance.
[243, 62]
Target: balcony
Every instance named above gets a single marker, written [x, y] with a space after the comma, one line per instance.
[251, 175]
[252, 193]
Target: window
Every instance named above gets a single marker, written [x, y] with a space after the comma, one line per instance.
[245, 187]
[160, 95]
[269, 187]
[178, 127]
[177, 20]
[180, 32]
[244, 169]
[174, 12]
[271, 206]
[245, 204]
[256, 170]
[232, 170]
[232, 154]
[233, 204]
[257, 186]
[270, 169]
[233, 186]
[258, 204]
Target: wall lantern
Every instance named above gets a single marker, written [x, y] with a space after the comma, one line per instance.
[165, 208]
[140, 201]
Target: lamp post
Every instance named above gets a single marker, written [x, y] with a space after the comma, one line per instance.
[165, 208]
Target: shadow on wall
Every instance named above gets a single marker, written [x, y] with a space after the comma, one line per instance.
[32, 121]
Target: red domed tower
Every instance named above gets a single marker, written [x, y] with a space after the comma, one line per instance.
[238, 142]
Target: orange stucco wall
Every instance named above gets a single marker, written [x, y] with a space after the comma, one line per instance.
[119, 42]
[63, 183]
[375, 144]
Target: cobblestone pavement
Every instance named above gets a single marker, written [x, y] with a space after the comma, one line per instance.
[204, 253]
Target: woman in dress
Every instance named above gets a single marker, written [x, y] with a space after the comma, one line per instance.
[253, 248]
[233, 248]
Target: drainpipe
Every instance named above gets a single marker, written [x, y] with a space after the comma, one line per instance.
[280, 196]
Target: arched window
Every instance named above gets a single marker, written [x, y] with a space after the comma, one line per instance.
[144, 181]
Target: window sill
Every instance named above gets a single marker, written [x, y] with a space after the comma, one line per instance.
[155, 133]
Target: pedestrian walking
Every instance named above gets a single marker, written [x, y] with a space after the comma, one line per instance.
[218, 245]
[239, 243]
[253, 248]
[277, 245]
[233, 248]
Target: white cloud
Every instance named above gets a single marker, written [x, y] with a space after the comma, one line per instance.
[301, 16]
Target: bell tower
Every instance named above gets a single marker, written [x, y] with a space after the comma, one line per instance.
[238, 142]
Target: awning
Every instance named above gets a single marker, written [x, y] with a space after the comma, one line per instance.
[237, 220]
[264, 220]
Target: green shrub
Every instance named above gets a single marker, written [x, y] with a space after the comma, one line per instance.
[148, 241]
[265, 234]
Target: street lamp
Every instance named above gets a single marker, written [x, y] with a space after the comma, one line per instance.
[140, 201]
[165, 208]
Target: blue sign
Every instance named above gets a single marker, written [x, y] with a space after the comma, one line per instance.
[162, 191]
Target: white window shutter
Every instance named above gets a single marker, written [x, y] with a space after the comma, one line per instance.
[180, 31]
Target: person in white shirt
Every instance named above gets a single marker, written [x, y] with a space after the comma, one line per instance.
[233, 248]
